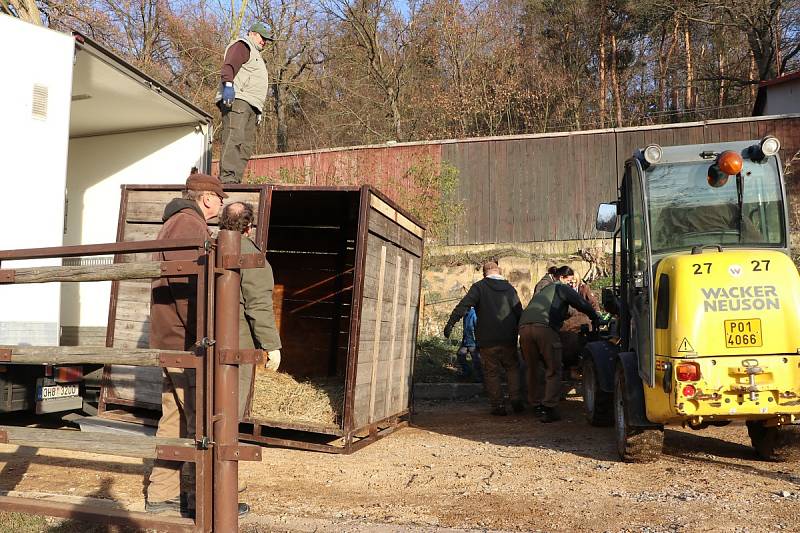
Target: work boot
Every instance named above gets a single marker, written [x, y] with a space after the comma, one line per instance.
[499, 411]
[551, 414]
[538, 410]
[167, 506]
[518, 406]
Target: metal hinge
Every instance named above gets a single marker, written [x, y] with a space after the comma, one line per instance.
[240, 357]
[239, 452]
[7, 275]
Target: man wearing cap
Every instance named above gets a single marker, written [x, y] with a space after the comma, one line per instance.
[173, 326]
[241, 99]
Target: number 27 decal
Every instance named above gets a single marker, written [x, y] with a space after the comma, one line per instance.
[704, 268]
[760, 266]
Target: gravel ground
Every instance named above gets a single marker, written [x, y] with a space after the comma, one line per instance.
[458, 468]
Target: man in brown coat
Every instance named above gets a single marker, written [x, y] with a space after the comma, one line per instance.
[257, 327]
[173, 323]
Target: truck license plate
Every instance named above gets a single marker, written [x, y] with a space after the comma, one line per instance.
[743, 333]
[57, 391]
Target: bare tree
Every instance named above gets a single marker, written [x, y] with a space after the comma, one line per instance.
[290, 57]
[380, 36]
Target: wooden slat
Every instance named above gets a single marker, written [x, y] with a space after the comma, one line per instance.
[141, 385]
[376, 342]
[406, 347]
[113, 272]
[392, 337]
[40, 355]
[105, 443]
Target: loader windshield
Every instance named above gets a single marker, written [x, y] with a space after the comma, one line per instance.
[685, 211]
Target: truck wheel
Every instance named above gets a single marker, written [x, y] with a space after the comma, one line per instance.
[634, 445]
[773, 443]
[598, 405]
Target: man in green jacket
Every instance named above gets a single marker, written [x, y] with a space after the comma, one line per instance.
[256, 316]
[541, 344]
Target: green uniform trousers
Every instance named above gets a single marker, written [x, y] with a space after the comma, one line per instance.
[238, 140]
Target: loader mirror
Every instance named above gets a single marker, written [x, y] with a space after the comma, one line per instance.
[606, 217]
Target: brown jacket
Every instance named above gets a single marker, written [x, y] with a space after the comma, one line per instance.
[173, 308]
[256, 314]
[576, 319]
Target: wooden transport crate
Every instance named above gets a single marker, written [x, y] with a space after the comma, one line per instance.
[347, 266]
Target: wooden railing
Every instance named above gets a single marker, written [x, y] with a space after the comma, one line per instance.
[214, 447]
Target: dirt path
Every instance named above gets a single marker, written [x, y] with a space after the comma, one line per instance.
[460, 468]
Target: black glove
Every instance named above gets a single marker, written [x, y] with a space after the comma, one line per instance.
[448, 329]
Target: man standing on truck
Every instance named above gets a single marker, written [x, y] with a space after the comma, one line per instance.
[173, 319]
[257, 327]
[538, 329]
[498, 308]
[241, 98]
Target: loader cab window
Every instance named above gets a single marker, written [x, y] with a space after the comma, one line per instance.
[685, 211]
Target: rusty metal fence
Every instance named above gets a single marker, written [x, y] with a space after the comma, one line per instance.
[214, 448]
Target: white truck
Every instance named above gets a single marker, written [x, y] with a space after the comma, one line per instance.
[78, 123]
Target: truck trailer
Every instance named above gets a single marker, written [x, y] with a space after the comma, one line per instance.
[81, 123]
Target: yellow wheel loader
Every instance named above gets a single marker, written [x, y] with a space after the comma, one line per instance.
[705, 296]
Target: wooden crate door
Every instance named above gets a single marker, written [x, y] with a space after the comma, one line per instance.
[389, 313]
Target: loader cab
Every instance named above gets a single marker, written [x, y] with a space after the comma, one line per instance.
[677, 200]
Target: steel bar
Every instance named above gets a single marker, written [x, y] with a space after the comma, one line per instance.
[94, 513]
[53, 355]
[103, 249]
[226, 385]
[204, 391]
[64, 439]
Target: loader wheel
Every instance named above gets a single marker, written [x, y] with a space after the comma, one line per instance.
[774, 443]
[598, 405]
[634, 445]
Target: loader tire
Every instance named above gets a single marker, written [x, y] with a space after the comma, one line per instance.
[777, 443]
[598, 405]
[634, 445]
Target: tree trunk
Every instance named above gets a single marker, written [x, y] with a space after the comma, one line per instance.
[722, 87]
[602, 65]
[615, 81]
[687, 43]
[282, 130]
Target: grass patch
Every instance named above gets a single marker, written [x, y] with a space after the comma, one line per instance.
[433, 363]
[26, 523]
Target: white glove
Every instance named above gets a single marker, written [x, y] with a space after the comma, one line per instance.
[273, 360]
[259, 119]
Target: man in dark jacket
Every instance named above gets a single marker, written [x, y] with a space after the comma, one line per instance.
[173, 323]
[257, 327]
[498, 308]
[538, 329]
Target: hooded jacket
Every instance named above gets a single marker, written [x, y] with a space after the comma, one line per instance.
[498, 309]
[173, 305]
